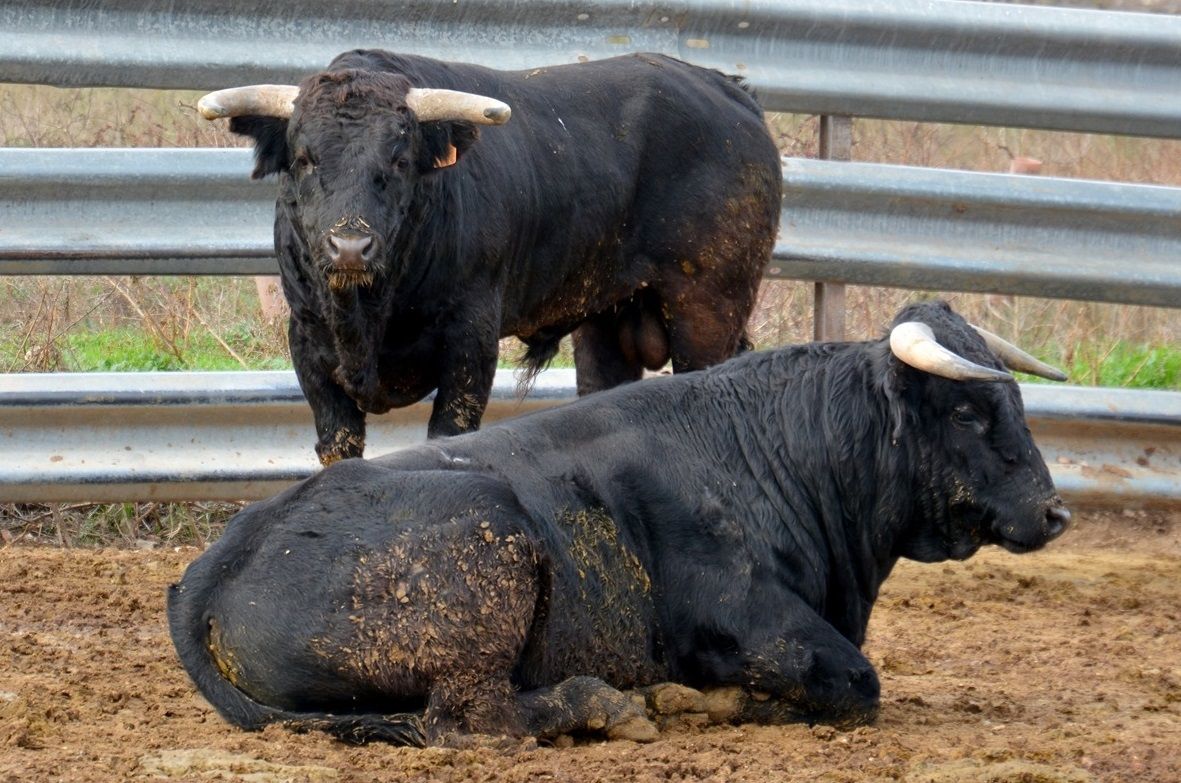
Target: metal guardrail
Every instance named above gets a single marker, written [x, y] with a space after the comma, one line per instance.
[931, 60]
[134, 211]
[116, 437]
[117, 211]
[944, 230]
[125, 436]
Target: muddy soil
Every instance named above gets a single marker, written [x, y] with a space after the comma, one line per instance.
[1059, 666]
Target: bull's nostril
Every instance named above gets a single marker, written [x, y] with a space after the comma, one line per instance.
[1057, 517]
[349, 251]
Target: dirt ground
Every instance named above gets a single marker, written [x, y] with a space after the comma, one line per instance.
[1059, 666]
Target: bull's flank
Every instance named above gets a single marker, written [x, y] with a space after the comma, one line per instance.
[631, 202]
[726, 530]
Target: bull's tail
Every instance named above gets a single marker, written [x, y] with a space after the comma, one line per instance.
[190, 636]
[538, 355]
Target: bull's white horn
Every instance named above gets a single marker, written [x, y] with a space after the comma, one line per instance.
[914, 343]
[1016, 359]
[431, 105]
[259, 100]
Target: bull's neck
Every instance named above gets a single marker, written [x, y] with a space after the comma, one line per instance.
[841, 479]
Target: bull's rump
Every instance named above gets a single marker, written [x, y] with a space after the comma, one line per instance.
[359, 590]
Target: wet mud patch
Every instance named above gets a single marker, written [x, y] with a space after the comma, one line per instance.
[1061, 666]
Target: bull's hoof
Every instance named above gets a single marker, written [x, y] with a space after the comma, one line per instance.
[342, 445]
[618, 716]
[671, 698]
[636, 728]
[724, 704]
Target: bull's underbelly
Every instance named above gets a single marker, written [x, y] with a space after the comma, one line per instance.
[571, 286]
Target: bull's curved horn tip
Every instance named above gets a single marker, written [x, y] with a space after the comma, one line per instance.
[210, 109]
[1016, 359]
[498, 114]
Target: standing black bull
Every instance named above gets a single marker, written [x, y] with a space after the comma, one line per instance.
[727, 527]
[633, 201]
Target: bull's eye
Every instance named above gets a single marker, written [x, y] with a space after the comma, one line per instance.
[966, 416]
[401, 163]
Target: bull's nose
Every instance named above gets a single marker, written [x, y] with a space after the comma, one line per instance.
[349, 252]
[1057, 519]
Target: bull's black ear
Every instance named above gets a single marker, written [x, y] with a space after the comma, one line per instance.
[271, 155]
[444, 143]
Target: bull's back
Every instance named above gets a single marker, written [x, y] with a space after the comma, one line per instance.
[584, 137]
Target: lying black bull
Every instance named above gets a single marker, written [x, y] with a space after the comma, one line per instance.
[727, 527]
[633, 201]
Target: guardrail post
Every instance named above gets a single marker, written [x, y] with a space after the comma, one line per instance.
[828, 309]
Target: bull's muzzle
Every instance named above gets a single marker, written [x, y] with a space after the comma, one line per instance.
[1020, 539]
[349, 257]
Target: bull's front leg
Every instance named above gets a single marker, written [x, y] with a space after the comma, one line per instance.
[468, 369]
[340, 424]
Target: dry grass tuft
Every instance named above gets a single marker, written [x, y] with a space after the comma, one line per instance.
[144, 525]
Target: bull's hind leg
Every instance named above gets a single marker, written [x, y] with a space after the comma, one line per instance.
[700, 338]
[585, 704]
[446, 612]
[705, 314]
[616, 345]
[711, 261]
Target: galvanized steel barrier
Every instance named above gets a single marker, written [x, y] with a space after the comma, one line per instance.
[965, 231]
[123, 436]
[931, 60]
[195, 211]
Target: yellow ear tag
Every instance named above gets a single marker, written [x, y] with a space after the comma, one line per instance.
[447, 159]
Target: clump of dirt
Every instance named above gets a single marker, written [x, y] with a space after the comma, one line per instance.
[1055, 667]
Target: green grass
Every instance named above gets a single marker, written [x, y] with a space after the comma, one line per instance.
[1120, 364]
[1128, 365]
[134, 350]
